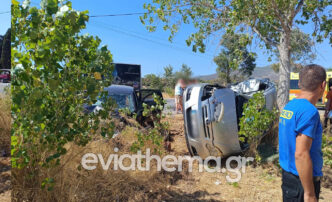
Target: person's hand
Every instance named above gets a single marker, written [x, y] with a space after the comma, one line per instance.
[326, 113]
[308, 197]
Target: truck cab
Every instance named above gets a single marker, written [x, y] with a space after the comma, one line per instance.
[126, 97]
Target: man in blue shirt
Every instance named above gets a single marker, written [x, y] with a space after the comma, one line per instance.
[300, 138]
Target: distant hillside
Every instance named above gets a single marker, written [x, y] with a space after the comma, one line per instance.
[259, 72]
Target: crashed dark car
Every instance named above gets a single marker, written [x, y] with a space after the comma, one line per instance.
[212, 114]
[126, 97]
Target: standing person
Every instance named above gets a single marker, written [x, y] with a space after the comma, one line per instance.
[178, 95]
[328, 107]
[300, 139]
[183, 86]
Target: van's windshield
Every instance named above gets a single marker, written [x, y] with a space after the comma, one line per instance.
[124, 101]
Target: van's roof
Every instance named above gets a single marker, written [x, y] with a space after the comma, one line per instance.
[121, 89]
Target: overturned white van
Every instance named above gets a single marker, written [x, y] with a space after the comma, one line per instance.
[212, 114]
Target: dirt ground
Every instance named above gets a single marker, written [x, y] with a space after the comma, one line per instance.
[5, 192]
[261, 183]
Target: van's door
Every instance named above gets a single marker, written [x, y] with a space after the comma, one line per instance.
[146, 96]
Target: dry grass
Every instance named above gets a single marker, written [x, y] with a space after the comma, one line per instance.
[167, 96]
[75, 184]
[5, 122]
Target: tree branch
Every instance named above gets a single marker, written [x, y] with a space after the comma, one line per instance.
[265, 39]
[281, 17]
[296, 10]
[210, 6]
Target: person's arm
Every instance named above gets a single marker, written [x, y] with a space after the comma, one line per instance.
[327, 104]
[304, 166]
[327, 107]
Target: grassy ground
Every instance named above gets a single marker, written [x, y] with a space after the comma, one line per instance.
[5, 120]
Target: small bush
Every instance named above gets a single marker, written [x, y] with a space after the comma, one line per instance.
[256, 121]
[153, 137]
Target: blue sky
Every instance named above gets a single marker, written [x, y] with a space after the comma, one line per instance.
[130, 42]
[4, 18]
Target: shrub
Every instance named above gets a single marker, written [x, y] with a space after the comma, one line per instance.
[153, 137]
[54, 76]
[256, 120]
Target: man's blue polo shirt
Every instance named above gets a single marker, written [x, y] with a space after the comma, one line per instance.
[300, 116]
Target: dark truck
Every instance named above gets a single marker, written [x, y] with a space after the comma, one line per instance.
[128, 75]
[127, 93]
[124, 74]
[126, 97]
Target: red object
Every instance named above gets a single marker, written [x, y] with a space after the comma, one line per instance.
[4, 75]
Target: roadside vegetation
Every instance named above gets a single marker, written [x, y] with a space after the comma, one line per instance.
[51, 85]
[273, 23]
[257, 122]
[5, 123]
[167, 81]
[234, 63]
[54, 69]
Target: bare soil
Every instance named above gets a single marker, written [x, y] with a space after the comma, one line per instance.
[5, 187]
[259, 183]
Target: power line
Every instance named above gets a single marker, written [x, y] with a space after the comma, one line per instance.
[5, 12]
[127, 14]
[151, 40]
[115, 15]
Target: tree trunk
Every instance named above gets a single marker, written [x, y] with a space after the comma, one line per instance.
[284, 70]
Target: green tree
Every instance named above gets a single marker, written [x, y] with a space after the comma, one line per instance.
[153, 81]
[168, 72]
[234, 57]
[248, 65]
[54, 67]
[169, 77]
[302, 51]
[224, 67]
[184, 73]
[271, 21]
